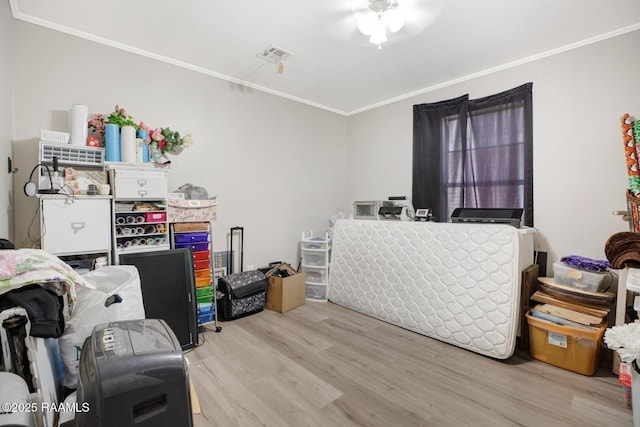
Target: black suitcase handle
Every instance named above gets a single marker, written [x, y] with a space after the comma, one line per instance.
[241, 230]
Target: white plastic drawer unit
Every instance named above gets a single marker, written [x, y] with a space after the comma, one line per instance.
[316, 243]
[137, 184]
[316, 292]
[318, 275]
[315, 258]
[76, 226]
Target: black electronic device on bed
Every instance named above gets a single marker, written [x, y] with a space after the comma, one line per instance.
[488, 215]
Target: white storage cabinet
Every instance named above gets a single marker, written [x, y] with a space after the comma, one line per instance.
[316, 253]
[64, 224]
[72, 226]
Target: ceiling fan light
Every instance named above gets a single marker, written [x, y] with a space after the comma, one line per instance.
[378, 16]
[394, 20]
[367, 22]
[379, 34]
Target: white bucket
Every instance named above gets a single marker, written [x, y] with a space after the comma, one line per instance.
[635, 394]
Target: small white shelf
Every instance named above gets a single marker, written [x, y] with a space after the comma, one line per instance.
[316, 253]
[142, 248]
[134, 188]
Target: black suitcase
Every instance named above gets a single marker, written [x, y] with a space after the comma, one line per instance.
[243, 293]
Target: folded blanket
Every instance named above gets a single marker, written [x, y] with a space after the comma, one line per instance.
[584, 263]
[23, 267]
[623, 250]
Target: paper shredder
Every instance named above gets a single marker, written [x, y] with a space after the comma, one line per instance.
[133, 373]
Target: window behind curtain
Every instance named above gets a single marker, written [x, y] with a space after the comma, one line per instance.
[474, 153]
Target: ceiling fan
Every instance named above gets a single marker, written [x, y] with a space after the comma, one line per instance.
[375, 17]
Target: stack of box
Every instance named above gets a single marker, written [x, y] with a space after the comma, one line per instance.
[567, 325]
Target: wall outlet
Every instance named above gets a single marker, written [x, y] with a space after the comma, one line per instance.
[250, 267]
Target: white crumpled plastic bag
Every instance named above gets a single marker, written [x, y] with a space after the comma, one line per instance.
[193, 192]
[114, 294]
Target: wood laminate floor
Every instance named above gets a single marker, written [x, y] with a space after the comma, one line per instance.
[325, 365]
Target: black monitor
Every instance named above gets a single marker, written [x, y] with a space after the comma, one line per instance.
[168, 290]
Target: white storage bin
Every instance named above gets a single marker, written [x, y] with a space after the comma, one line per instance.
[582, 279]
[316, 243]
[78, 226]
[315, 258]
[635, 395]
[316, 292]
[139, 184]
[316, 274]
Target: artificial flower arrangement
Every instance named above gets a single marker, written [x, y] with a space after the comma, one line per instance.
[625, 339]
[164, 139]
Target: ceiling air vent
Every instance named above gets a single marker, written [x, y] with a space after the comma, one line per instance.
[274, 54]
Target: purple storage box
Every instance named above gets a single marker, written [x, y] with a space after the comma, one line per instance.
[191, 237]
[194, 246]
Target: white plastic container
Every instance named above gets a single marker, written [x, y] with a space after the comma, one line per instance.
[633, 280]
[366, 209]
[316, 292]
[316, 274]
[582, 279]
[635, 395]
[316, 243]
[315, 258]
[17, 410]
[78, 124]
[54, 137]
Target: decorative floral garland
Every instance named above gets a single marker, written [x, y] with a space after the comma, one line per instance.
[165, 139]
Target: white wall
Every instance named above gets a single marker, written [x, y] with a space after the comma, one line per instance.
[579, 167]
[6, 120]
[278, 167]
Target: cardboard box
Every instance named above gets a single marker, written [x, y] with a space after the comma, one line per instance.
[285, 294]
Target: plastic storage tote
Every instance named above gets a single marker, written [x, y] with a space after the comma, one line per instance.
[575, 349]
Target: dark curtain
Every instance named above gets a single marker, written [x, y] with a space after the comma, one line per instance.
[474, 153]
[430, 168]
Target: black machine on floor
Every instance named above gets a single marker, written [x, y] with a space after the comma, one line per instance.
[133, 373]
[242, 293]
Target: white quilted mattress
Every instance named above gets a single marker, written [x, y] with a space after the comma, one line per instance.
[458, 283]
